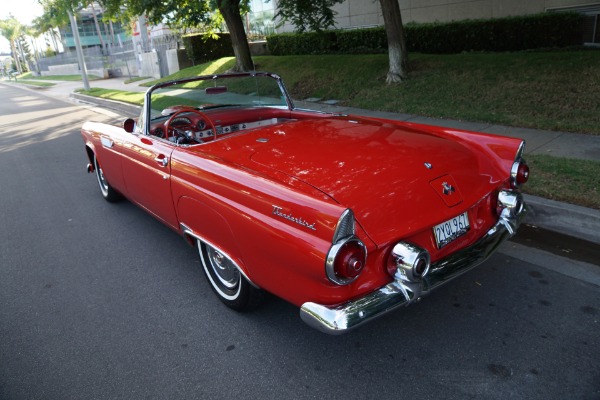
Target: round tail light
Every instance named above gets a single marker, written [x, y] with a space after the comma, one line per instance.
[345, 261]
[522, 173]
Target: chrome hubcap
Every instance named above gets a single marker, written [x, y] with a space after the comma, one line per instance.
[101, 179]
[101, 175]
[224, 269]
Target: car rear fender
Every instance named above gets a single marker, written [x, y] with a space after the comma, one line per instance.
[260, 245]
[199, 220]
[89, 151]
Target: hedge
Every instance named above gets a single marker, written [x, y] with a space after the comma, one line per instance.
[201, 49]
[545, 30]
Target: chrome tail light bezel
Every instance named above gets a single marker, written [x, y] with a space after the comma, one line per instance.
[519, 172]
[344, 236]
[335, 251]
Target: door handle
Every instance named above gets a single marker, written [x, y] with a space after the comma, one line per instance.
[162, 160]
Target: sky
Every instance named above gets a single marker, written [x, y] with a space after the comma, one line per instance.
[23, 10]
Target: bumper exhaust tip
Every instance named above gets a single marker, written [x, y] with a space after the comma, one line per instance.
[336, 320]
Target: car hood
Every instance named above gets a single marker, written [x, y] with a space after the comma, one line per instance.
[395, 178]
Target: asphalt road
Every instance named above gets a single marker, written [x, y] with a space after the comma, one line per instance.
[101, 301]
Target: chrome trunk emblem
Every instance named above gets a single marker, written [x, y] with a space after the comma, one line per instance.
[447, 189]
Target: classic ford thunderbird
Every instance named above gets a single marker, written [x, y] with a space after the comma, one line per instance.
[347, 217]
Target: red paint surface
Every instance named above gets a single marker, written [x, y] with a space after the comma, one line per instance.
[312, 167]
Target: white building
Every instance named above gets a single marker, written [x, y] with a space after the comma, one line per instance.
[366, 13]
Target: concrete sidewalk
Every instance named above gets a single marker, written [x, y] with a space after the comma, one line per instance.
[579, 222]
[559, 144]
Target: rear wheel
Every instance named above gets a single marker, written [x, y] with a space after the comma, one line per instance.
[227, 281]
[107, 191]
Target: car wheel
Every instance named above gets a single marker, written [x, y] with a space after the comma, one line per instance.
[227, 281]
[107, 191]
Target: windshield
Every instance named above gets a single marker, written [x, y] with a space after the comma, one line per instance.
[203, 93]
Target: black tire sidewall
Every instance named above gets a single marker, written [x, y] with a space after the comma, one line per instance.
[242, 298]
[108, 193]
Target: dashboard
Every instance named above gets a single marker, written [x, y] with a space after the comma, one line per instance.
[192, 128]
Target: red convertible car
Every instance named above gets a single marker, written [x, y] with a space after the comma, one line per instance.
[346, 217]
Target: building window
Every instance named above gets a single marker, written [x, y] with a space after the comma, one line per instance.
[591, 29]
[591, 21]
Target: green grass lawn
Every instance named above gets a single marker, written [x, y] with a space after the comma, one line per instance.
[70, 78]
[563, 179]
[553, 90]
[34, 83]
[136, 79]
[557, 90]
[136, 98]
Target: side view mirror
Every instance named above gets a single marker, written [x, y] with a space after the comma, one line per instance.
[129, 125]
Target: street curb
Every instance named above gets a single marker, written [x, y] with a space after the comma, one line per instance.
[576, 221]
[125, 109]
[580, 222]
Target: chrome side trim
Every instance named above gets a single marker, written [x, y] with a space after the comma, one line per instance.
[345, 226]
[342, 318]
[514, 169]
[187, 231]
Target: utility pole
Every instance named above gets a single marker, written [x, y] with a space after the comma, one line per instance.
[84, 77]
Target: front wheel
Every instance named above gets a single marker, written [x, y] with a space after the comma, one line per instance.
[227, 281]
[107, 191]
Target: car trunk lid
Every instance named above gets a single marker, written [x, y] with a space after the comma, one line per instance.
[397, 180]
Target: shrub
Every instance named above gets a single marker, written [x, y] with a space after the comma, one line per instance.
[501, 34]
[304, 43]
[361, 41]
[201, 48]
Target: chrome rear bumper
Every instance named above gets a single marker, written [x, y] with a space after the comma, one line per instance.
[340, 319]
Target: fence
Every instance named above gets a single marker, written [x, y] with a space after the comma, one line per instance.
[120, 60]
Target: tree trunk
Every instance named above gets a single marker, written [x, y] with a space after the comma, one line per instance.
[230, 9]
[104, 52]
[396, 43]
[52, 34]
[22, 55]
[112, 32]
[15, 55]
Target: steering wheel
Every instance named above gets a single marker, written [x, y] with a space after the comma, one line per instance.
[168, 123]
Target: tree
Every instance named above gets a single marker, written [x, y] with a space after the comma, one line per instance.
[32, 33]
[62, 11]
[397, 53]
[317, 14]
[230, 10]
[190, 13]
[10, 28]
[25, 51]
[308, 15]
[47, 24]
[98, 31]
